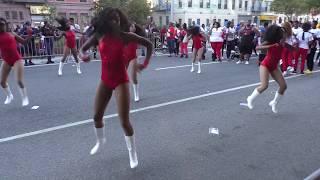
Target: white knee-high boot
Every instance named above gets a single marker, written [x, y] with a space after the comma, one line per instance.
[24, 96]
[136, 92]
[250, 98]
[78, 68]
[101, 140]
[192, 67]
[275, 101]
[130, 141]
[60, 68]
[199, 67]
[9, 94]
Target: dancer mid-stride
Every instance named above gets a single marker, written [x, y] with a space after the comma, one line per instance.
[197, 39]
[12, 59]
[274, 43]
[111, 34]
[131, 55]
[70, 45]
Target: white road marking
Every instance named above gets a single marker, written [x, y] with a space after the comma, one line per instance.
[35, 107]
[314, 176]
[188, 65]
[11, 138]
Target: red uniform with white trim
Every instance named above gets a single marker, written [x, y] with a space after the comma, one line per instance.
[113, 61]
[8, 48]
[271, 61]
[70, 39]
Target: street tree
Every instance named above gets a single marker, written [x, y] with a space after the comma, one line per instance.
[290, 7]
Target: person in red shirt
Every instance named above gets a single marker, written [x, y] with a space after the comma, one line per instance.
[184, 41]
[70, 44]
[197, 39]
[274, 43]
[171, 39]
[111, 35]
[12, 59]
[163, 32]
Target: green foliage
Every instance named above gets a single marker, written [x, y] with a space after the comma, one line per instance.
[137, 10]
[289, 7]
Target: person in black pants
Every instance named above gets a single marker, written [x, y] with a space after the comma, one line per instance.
[230, 38]
[48, 31]
[313, 47]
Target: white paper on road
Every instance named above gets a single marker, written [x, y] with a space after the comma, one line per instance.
[214, 131]
[35, 107]
[244, 104]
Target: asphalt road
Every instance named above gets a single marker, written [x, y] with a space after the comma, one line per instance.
[171, 122]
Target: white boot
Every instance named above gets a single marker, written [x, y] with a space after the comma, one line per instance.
[192, 67]
[78, 68]
[24, 96]
[250, 98]
[136, 92]
[274, 102]
[132, 151]
[60, 68]
[8, 92]
[199, 67]
[101, 140]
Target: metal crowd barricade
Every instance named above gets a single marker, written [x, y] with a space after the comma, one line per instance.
[159, 44]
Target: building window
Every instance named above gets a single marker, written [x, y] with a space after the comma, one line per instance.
[189, 3]
[180, 3]
[167, 20]
[198, 21]
[208, 4]
[83, 0]
[219, 4]
[208, 22]
[240, 4]
[21, 15]
[246, 5]
[14, 14]
[180, 21]
[189, 22]
[225, 4]
[233, 4]
[7, 13]
[201, 3]
[84, 18]
[160, 21]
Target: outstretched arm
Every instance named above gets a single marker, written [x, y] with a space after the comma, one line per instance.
[131, 37]
[92, 41]
[266, 46]
[21, 39]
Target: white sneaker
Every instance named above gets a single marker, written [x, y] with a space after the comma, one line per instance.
[247, 62]
[249, 102]
[238, 62]
[273, 106]
[192, 69]
[8, 99]
[25, 101]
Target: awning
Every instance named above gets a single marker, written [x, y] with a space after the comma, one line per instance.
[267, 17]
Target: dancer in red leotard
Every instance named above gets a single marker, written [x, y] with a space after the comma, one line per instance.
[274, 42]
[197, 39]
[70, 45]
[12, 59]
[131, 55]
[111, 34]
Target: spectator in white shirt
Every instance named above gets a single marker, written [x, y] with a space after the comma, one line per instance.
[216, 40]
[305, 39]
[313, 47]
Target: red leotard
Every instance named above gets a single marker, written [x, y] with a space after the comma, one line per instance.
[70, 39]
[8, 48]
[197, 41]
[272, 59]
[113, 62]
[130, 51]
